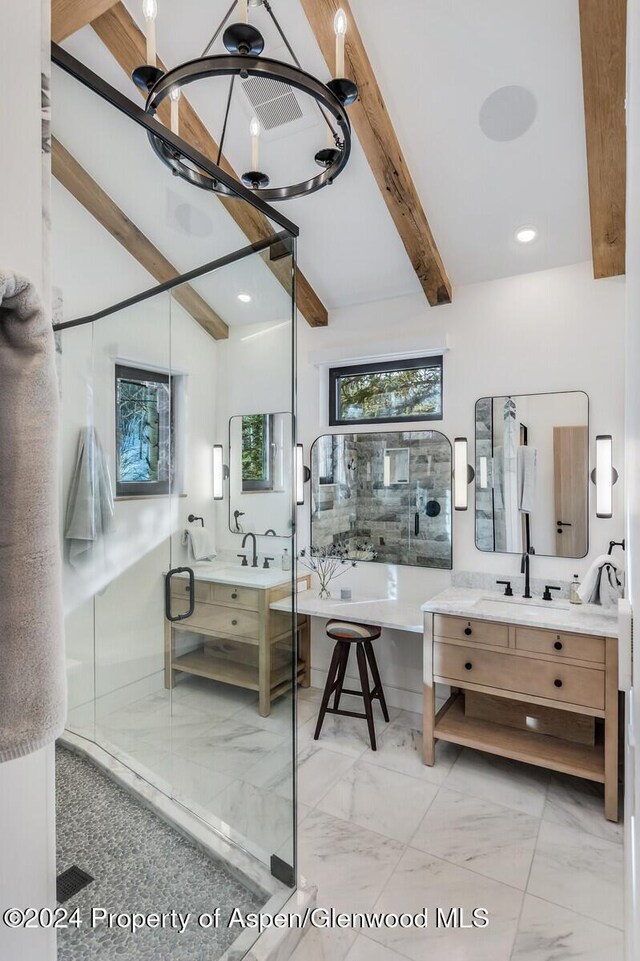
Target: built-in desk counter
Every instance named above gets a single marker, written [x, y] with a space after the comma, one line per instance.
[383, 611]
[531, 680]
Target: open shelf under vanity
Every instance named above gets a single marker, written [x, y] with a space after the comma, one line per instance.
[544, 750]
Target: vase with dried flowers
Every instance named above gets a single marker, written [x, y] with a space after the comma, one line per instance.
[333, 560]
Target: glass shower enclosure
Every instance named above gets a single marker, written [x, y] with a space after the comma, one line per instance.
[182, 639]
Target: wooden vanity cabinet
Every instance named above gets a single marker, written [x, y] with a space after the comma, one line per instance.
[544, 697]
[239, 639]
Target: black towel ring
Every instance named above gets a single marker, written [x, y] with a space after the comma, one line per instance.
[192, 518]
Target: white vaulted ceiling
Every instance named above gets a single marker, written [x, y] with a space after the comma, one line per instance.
[437, 62]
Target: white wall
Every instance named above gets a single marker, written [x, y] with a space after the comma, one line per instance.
[27, 793]
[547, 331]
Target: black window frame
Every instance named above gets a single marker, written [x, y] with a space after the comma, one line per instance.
[411, 363]
[144, 488]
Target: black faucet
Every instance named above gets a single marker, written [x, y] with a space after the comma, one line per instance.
[254, 562]
[524, 569]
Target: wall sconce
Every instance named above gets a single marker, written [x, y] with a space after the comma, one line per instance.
[463, 474]
[604, 475]
[220, 472]
[484, 473]
[303, 474]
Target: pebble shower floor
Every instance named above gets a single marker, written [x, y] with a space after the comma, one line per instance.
[139, 864]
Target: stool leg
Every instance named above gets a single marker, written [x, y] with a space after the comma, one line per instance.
[366, 693]
[328, 689]
[342, 670]
[375, 673]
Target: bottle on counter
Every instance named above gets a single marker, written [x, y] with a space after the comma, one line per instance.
[286, 560]
[574, 597]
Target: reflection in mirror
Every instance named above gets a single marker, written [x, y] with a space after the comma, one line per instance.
[532, 474]
[260, 465]
[390, 489]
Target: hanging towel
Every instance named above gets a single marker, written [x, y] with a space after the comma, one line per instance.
[90, 502]
[201, 547]
[32, 674]
[527, 478]
[604, 582]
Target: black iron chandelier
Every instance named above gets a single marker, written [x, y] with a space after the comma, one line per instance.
[244, 45]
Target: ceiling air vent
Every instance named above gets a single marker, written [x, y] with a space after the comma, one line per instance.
[274, 103]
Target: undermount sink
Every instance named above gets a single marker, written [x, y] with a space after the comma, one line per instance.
[258, 576]
[533, 606]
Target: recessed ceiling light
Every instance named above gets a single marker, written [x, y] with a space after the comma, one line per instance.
[525, 235]
[245, 298]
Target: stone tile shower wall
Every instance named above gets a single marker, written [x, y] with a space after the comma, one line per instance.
[360, 508]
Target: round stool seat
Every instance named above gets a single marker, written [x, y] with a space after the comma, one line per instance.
[350, 631]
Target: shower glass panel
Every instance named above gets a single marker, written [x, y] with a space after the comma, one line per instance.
[182, 663]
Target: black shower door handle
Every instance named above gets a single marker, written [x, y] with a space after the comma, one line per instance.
[416, 523]
[167, 594]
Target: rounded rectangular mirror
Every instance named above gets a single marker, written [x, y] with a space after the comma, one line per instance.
[532, 474]
[259, 465]
[390, 490]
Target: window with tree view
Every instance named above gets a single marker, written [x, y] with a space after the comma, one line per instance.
[391, 391]
[144, 435]
[257, 452]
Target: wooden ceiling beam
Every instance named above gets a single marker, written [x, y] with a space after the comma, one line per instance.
[93, 198]
[69, 16]
[377, 136]
[123, 38]
[603, 30]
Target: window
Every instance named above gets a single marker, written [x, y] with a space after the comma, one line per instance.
[390, 391]
[258, 451]
[144, 432]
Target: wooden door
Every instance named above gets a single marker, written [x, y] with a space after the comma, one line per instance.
[571, 477]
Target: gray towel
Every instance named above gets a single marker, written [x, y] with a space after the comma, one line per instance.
[90, 501]
[32, 675]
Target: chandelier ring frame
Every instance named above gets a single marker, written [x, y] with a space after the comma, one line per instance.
[225, 65]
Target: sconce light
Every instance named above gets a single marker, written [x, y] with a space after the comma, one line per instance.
[303, 474]
[220, 472]
[484, 473]
[604, 475]
[463, 474]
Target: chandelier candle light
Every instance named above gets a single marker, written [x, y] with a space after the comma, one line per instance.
[244, 45]
[150, 11]
[175, 110]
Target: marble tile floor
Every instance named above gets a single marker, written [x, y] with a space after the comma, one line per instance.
[380, 831]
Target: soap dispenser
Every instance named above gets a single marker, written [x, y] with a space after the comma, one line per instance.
[286, 560]
[574, 597]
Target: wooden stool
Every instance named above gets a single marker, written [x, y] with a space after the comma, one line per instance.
[346, 633]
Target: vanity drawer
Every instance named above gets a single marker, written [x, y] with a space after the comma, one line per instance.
[581, 647]
[247, 597]
[180, 588]
[462, 629]
[522, 675]
[225, 620]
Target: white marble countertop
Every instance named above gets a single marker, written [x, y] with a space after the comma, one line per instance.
[384, 611]
[238, 575]
[557, 615]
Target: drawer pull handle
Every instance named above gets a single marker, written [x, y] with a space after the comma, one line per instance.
[558, 682]
[468, 666]
[234, 622]
[558, 645]
[468, 631]
[234, 595]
